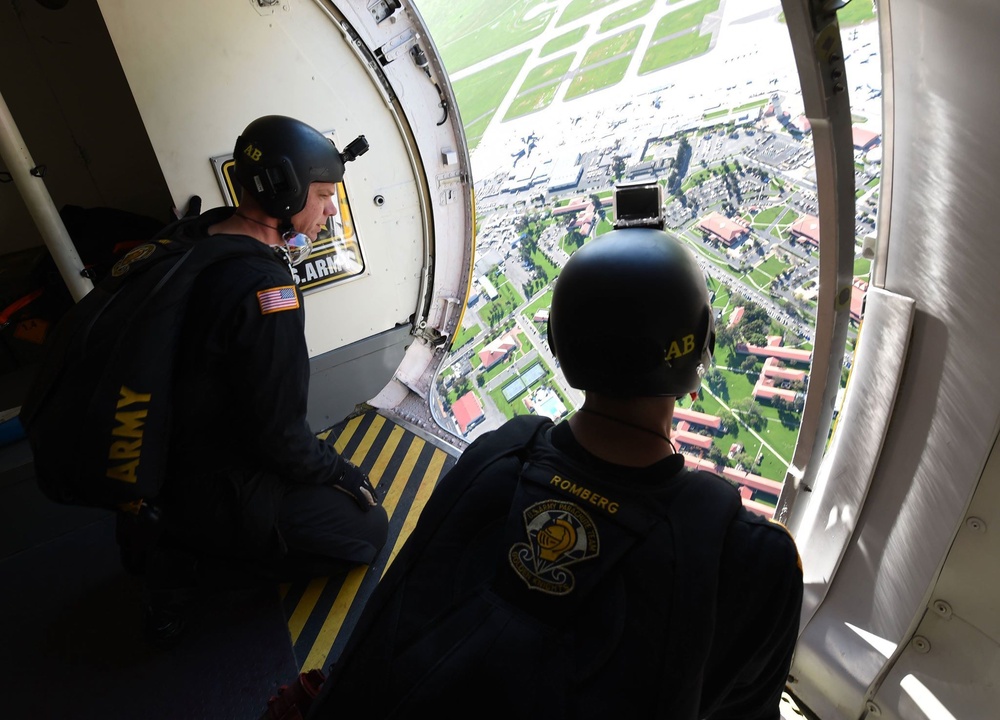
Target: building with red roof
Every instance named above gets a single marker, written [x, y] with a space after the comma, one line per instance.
[806, 228]
[725, 230]
[753, 506]
[468, 412]
[864, 139]
[498, 350]
[775, 350]
[736, 316]
[697, 418]
[768, 388]
[859, 289]
[684, 436]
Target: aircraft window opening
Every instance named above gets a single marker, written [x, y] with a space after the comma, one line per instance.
[725, 131]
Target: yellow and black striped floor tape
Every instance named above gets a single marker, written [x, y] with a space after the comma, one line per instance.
[405, 468]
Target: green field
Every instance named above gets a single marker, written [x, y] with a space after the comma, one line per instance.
[539, 87]
[688, 18]
[564, 41]
[603, 76]
[580, 8]
[547, 72]
[608, 48]
[626, 15]
[544, 301]
[670, 52]
[479, 95]
[505, 304]
[531, 101]
[464, 335]
[470, 31]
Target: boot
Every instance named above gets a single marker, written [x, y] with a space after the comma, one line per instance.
[293, 701]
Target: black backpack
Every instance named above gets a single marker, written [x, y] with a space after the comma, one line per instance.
[537, 629]
[97, 415]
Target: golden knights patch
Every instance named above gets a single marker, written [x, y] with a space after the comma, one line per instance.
[560, 534]
[136, 254]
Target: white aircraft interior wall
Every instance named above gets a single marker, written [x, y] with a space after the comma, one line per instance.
[868, 641]
[237, 62]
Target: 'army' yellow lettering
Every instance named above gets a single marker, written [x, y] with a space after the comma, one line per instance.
[124, 454]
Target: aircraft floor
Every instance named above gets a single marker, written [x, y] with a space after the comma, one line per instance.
[71, 626]
[404, 468]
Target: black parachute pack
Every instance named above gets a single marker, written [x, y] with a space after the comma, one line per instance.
[97, 415]
[579, 597]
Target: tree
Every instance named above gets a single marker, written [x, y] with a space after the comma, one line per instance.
[729, 424]
[618, 167]
[716, 380]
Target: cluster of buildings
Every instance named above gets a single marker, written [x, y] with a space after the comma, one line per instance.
[775, 380]
[693, 446]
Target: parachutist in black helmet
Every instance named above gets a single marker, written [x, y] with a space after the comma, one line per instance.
[290, 171]
[631, 317]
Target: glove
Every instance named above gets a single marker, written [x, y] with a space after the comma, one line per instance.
[355, 483]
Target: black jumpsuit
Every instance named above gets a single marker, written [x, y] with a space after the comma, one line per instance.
[248, 477]
[694, 617]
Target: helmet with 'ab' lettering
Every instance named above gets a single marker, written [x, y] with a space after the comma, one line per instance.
[277, 157]
[631, 316]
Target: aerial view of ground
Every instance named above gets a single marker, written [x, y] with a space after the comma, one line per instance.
[563, 99]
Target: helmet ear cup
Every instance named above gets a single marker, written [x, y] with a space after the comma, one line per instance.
[276, 158]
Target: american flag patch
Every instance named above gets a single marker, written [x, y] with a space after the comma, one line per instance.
[278, 299]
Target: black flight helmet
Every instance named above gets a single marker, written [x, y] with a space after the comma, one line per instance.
[631, 317]
[277, 157]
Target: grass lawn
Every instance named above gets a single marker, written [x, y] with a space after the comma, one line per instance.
[670, 52]
[532, 101]
[740, 385]
[464, 335]
[481, 28]
[579, 8]
[855, 13]
[626, 15]
[507, 301]
[479, 95]
[781, 438]
[773, 266]
[771, 467]
[747, 106]
[759, 278]
[542, 261]
[767, 216]
[598, 78]
[625, 42]
[543, 301]
[547, 72]
[563, 41]
[685, 19]
[862, 267]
